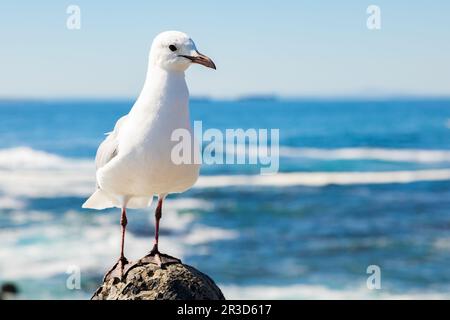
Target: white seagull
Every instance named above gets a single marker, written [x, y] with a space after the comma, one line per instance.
[134, 161]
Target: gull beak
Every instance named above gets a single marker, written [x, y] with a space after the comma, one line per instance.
[201, 59]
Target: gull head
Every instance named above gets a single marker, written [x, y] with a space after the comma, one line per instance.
[175, 51]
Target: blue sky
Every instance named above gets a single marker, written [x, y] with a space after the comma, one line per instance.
[288, 48]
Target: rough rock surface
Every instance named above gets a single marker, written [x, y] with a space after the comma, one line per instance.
[150, 282]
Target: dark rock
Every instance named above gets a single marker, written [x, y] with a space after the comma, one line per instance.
[8, 291]
[148, 281]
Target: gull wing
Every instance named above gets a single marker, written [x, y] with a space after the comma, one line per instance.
[109, 148]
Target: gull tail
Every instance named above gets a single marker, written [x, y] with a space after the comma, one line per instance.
[100, 200]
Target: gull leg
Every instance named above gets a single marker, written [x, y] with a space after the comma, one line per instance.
[156, 257]
[155, 251]
[122, 260]
[123, 223]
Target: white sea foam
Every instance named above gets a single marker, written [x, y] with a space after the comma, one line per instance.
[28, 158]
[93, 246]
[187, 204]
[46, 184]
[364, 153]
[312, 292]
[23, 158]
[319, 179]
[442, 244]
[90, 247]
[11, 203]
[391, 155]
[68, 183]
[33, 173]
[179, 214]
[51, 175]
[19, 217]
[206, 234]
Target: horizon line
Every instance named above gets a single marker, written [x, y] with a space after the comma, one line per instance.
[245, 97]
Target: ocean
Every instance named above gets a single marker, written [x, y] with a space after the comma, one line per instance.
[362, 183]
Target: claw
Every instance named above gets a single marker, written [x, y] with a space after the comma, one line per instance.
[160, 259]
[122, 263]
[156, 256]
[118, 270]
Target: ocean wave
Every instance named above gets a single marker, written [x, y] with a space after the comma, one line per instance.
[20, 217]
[442, 244]
[188, 203]
[380, 154]
[320, 179]
[312, 292]
[34, 173]
[27, 158]
[93, 247]
[390, 155]
[55, 248]
[205, 234]
[81, 184]
[55, 176]
[11, 203]
[49, 246]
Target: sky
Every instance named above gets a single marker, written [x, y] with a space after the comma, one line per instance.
[286, 48]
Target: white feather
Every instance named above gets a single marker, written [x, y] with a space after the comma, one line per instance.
[135, 159]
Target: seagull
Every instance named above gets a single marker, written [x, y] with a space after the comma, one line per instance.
[134, 163]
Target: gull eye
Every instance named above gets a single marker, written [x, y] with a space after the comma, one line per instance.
[172, 47]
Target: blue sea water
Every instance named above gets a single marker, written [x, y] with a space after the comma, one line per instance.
[383, 199]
